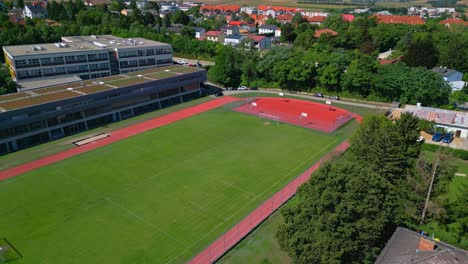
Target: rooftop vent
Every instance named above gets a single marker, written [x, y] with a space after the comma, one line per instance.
[101, 83]
[94, 37]
[167, 70]
[70, 89]
[99, 44]
[139, 75]
[37, 47]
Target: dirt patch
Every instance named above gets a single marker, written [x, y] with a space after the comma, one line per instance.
[266, 123]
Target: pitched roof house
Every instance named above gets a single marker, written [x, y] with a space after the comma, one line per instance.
[34, 11]
[320, 32]
[453, 21]
[391, 19]
[267, 29]
[213, 35]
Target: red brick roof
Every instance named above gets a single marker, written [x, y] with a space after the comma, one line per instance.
[222, 8]
[348, 17]
[385, 62]
[284, 18]
[409, 20]
[256, 38]
[316, 19]
[320, 32]
[279, 8]
[235, 23]
[452, 21]
[213, 33]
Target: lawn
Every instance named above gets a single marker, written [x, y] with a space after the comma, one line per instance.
[159, 197]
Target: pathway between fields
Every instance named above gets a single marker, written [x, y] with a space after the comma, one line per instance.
[117, 135]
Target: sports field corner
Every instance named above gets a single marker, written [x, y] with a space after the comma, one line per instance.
[146, 195]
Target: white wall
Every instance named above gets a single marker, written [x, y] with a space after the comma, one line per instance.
[464, 132]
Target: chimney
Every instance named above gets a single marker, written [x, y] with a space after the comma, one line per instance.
[426, 244]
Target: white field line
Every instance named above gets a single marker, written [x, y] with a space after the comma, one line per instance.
[251, 201]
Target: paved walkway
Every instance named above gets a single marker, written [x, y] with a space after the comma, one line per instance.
[382, 107]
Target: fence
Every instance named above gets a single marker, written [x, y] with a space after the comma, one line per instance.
[229, 239]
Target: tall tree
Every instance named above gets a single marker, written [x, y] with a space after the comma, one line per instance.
[421, 52]
[227, 68]
[343, 215]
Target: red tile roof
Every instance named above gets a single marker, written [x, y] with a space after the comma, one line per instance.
[235, 23]
[452, 21]
[320, 32]
[385, 62]
[222, 8]
[284, 18]
[348, 17]
[409, 20]
[316, 19]
[213, 33]
[279, 8]
[256, 38]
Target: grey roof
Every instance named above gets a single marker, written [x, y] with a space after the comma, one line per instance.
[444, 71]
[198, 29]
[82, 43]
[439, 116]
[237, 36]
[37, 8]
[403, 248]
[272, 27]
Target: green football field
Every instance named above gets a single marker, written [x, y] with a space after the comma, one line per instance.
[158, 197]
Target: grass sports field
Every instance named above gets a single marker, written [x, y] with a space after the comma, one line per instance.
[158, 197]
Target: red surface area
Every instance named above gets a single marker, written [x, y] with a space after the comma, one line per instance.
[326, 118]
[116, 136]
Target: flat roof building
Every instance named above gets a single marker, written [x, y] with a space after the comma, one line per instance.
[87, 57]
[41, 115]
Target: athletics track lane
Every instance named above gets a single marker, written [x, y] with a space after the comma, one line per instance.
[117, 135]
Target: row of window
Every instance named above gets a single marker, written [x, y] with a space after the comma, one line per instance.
[61, 59]
[146, 52]
[63, 70]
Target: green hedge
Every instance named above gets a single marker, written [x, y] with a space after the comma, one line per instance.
[458, 153]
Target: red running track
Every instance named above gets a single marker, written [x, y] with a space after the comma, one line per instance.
[229, 239]
[116, 136]
[321, 117]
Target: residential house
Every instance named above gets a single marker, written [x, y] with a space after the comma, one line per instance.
[406, 246]
[316, 20]
[259, 19]
[277, 32]
[230, 30]
[218, 9]
[283, 19]
[408, 20]
[320, 32]
[449, 75]
[267, 29]
[185, 7]
[453, 21]
[452, 77]
[234, 40]
[168, 7]
[199, 32]
[34, 11]
[247, 28]
[217, 36]
[249, 10]
[258, 42]
[348, 17]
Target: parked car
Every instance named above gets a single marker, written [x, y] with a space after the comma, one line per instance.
[242, 88]
[420, 139]
[438, 136]
[218, 94]
[228, 88]
[318, 95]
[335, 97]
[254, 88]
[448, 138]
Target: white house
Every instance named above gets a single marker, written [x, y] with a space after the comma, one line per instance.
[34, 11]
[249, 10]
[199, 32]
[452, 121]
[452, 77]
[212, 35]
[278, 33]
[267, 29]
[234, 40]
